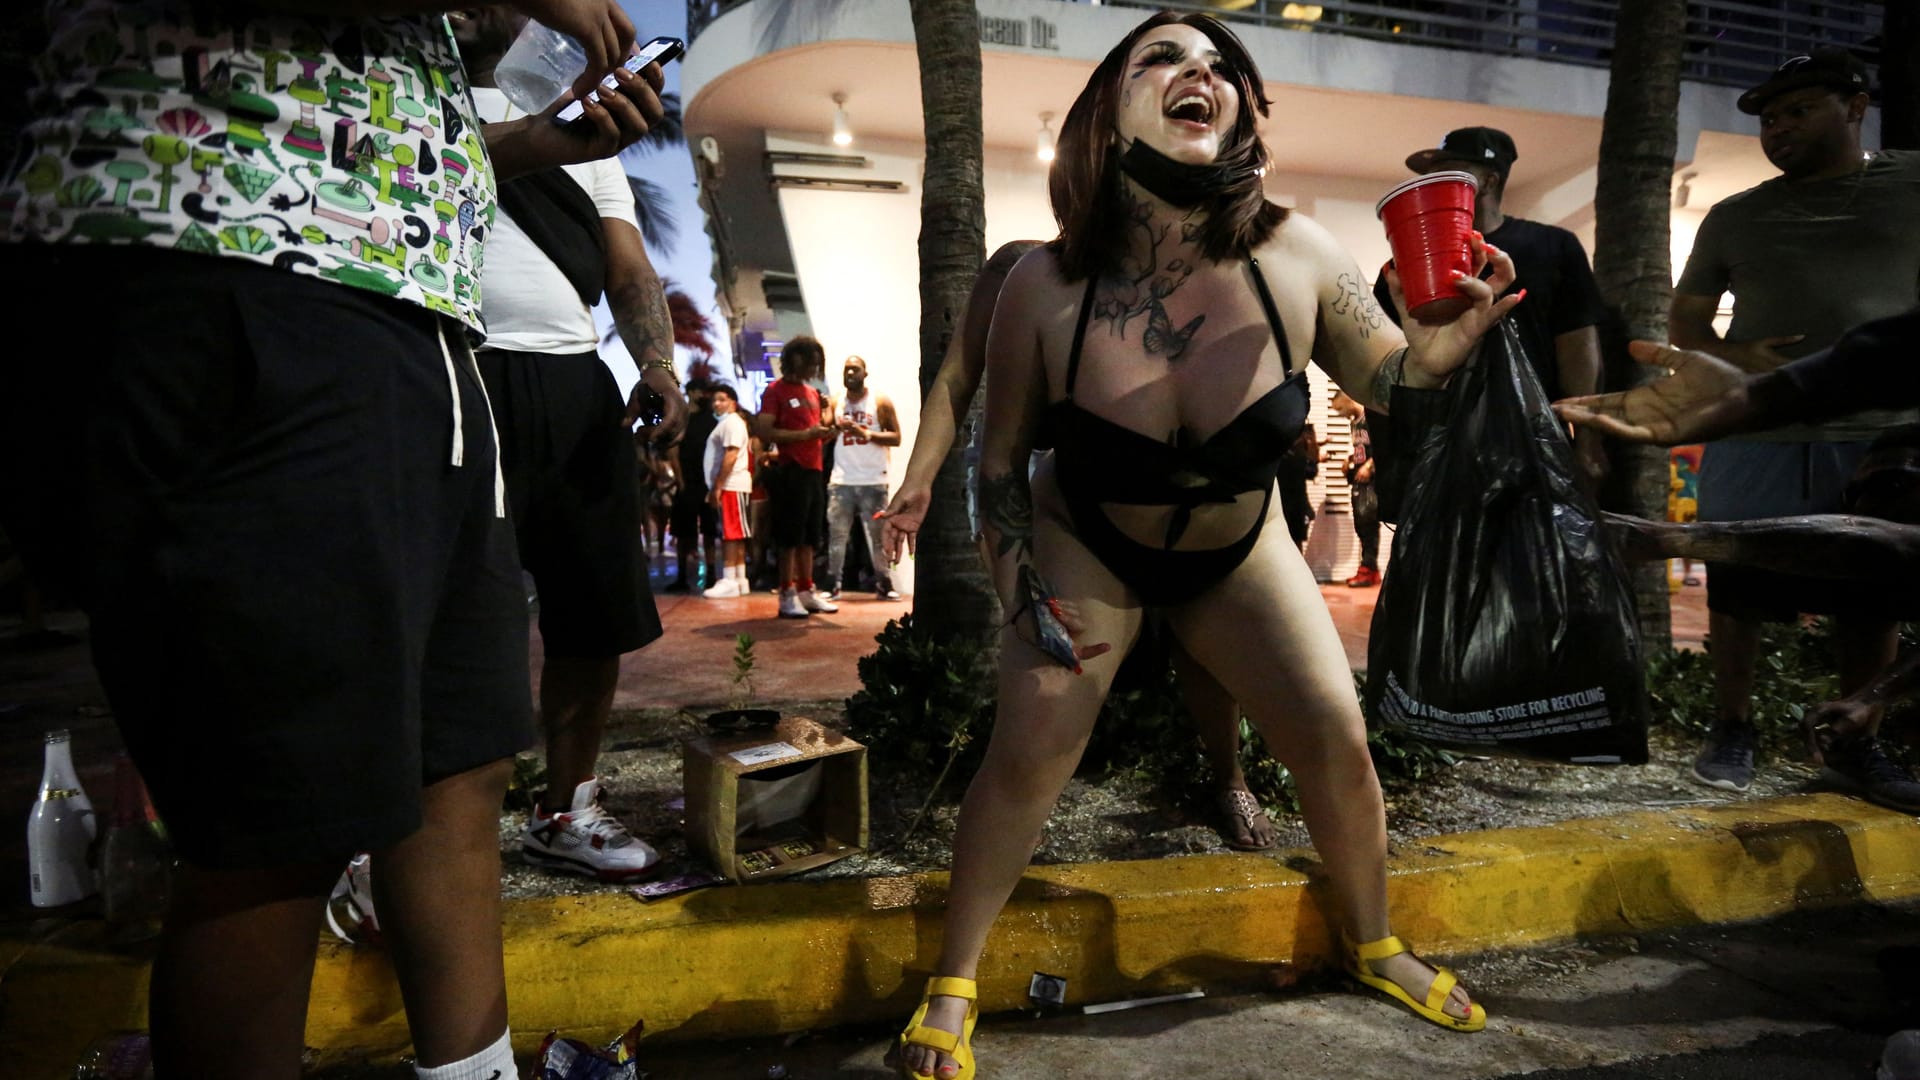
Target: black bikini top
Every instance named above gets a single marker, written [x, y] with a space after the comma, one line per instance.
[1100, 461]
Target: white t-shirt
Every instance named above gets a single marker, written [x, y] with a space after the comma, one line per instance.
[730, 431]
[530, 305]
[859, 462]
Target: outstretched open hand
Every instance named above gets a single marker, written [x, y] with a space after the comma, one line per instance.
[904, 515]
[1702, 397]
[1437, 350]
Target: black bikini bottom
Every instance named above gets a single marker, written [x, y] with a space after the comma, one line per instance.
[1158, 576]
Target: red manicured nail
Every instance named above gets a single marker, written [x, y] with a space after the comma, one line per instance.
[1519, 296]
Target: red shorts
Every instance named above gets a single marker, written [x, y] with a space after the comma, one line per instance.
[733, 516]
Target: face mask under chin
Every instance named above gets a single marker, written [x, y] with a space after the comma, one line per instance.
[1177, 183]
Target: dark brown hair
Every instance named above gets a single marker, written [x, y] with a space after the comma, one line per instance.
[800, 348]
[1085, 181]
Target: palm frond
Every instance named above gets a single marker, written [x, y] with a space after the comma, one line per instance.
[691, 329]
[653, 211]
[670, 132]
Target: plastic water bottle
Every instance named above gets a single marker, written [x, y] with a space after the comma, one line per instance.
[136, 861]
[60, 831]
[539, 67]
[126, 1056]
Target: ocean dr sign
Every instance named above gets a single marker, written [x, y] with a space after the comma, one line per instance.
[1030, 33]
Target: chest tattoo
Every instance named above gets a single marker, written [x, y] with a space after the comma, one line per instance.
[1142, 283]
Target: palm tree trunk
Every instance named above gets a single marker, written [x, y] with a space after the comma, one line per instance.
[1632, 228]
[953, 596]
[1900, 76]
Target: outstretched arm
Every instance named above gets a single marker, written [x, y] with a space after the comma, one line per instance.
[1361, 348]
[946, 403]
[1813, 545]
[1016, 399]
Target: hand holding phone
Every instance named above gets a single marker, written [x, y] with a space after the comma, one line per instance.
[660, 50]
[1051, 634]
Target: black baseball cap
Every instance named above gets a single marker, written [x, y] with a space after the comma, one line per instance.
[1471, 145]
[1829, 66]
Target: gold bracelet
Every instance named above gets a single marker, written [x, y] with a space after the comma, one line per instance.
[663, 364]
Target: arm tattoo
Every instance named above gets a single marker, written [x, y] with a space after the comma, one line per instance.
[639, 306]
[1356, 298]
[1141, 285]
[1007, 501]
[1392, 373]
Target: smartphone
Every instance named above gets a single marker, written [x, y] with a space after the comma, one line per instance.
[659, 50]
[1054, 640]
[653, 409]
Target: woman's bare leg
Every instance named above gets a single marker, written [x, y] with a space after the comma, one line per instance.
[1266, 635]
[1045, 717]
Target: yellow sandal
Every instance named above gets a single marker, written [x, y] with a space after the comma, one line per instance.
[958, 1047]
[1359, 957]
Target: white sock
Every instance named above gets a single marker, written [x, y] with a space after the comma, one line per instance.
[737, 573]
[493, 1063]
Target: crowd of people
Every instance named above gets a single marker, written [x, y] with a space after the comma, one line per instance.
[303, 554]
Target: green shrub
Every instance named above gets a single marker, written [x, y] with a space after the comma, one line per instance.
[925, 708]
[1796, 672]
[923, 705]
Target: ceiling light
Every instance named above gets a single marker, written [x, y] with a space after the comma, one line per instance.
[842, 127]
[1043, 144]
[1302, 12]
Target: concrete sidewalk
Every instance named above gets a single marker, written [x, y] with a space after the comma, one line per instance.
[814, 659]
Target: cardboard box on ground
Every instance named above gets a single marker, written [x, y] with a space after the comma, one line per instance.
[773, 801]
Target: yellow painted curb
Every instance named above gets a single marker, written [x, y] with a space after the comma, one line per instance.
[796, 955]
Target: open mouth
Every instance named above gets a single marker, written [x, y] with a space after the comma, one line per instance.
[1192, 108]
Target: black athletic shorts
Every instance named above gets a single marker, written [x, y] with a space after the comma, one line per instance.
[301, 610]
[573, 485]
[799, 506]
[693, 518]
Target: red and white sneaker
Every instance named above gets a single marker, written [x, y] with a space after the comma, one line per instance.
[587, 840]
[350, 906]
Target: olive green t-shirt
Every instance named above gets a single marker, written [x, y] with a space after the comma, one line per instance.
[1817, 258]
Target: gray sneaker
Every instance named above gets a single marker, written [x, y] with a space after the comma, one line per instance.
[1862, 763]
[1726, 761]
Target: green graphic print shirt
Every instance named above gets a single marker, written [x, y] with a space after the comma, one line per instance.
[344, 148]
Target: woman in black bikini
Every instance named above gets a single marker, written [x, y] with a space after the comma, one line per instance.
[1158, 346]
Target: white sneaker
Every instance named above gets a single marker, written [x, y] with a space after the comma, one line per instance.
[350, 906]
[790, 605]
[886, 592]
[724, 589]
[814, 601]
[586, 840]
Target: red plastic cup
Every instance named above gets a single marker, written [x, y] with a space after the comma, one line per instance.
[1429, 222]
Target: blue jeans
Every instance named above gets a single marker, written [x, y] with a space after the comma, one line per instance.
[846, 504]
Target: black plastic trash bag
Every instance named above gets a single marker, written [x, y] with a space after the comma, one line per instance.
[1506, 623]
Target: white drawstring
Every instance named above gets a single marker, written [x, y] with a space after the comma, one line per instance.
[453, 388]
[459, 438]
